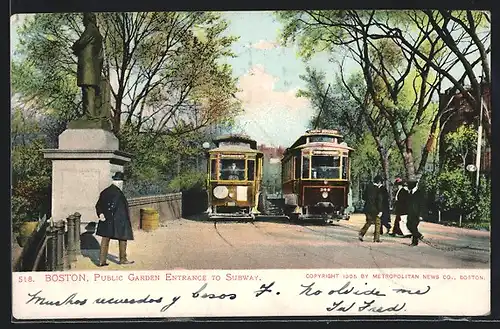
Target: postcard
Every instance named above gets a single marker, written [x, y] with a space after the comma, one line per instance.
[251, 164]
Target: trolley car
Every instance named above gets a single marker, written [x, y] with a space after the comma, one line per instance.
[234, 178]
[316, 177]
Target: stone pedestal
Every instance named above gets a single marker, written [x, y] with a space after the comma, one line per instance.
[82, 167]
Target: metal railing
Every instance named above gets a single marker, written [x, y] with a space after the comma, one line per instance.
[53, 246]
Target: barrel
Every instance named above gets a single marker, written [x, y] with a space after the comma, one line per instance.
[150, 219]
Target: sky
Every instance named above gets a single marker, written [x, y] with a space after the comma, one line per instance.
[268, 77]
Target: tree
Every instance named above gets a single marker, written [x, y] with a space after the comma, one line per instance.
[459, 144]
[466, 35]
[31, 174]
[386, 68]
[161, 67]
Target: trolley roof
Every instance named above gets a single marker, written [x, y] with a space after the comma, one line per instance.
[301, 142]
[236, 143]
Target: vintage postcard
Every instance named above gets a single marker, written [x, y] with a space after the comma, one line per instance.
[251, 164]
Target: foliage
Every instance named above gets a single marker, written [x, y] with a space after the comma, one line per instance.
[404, 57]
[165, 68]
[456, 191]
[482, 211]
[170, 87]
[188, 180]
[460, 143]
[31, 173]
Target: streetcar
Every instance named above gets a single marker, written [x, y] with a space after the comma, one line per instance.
[316, 177]
[234, 178]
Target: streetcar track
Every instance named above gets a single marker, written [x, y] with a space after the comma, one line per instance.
[220, 235]
[232, 246]
[294, 247]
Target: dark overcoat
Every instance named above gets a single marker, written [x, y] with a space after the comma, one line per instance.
[90, 56]
[401, 202]
[386, 208]
[416, 205]
[113, 204]
[373, 200]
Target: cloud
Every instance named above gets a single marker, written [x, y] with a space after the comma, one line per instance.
[271, 116]
[265, 45]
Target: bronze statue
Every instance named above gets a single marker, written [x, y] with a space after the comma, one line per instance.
[89, 49]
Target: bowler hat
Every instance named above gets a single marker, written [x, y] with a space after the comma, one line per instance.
[118, 176]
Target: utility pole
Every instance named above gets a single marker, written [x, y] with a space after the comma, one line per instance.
[322, 106]
[479, 136]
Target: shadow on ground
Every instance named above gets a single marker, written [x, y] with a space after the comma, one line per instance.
[203, 217]
[90, 247]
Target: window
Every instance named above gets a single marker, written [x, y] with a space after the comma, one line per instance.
[251, 170]
[345, 167]
[297, 167]
[232, 169]
[325, 167]
[213, 169]
[305, 166]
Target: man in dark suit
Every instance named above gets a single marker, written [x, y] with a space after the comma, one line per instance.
[400, 208]
[386, 210]
[373, 208]
[114, 220]
[416, 207]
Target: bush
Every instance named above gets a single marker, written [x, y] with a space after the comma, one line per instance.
[31, 183]
[456, 192]
[482, 210]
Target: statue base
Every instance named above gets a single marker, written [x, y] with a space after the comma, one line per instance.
[82, 166]
[99, 123]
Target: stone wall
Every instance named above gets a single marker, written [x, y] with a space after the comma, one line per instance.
[169, 207]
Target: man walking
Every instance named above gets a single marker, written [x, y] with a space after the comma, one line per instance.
[373, 208]
[113, 211]
[400, 209]
[415, 211]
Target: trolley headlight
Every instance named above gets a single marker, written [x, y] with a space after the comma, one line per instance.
[324, 195]
[221, 192]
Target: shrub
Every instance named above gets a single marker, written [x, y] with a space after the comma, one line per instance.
[31, 182]
[456, 192]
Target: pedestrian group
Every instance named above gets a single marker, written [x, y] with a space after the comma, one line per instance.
[408, 207]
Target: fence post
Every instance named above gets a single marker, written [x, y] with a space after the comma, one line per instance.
[78, 218]
[51, 249]
[71, 239]
[60, 227]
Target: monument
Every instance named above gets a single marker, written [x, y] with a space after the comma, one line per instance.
[88, 152]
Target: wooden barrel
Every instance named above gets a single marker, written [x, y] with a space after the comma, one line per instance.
[150, 219]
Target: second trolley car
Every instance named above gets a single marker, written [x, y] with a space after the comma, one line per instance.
[234, 178]
[316, 177]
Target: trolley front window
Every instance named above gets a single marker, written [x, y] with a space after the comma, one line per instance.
[232, 169]
[325, 167]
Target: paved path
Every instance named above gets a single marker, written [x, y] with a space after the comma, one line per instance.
[195, 244]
